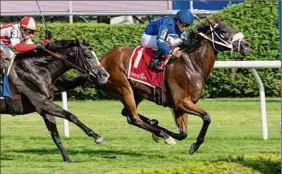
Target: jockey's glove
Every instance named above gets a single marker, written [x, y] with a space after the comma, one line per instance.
[176, 52]
[40, 46]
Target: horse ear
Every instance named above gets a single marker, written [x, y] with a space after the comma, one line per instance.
[77, 41]
[85, 42]
[207, 19]
[212, 20]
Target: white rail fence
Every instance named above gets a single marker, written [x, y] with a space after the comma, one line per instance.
[251, 65]
[66, 122]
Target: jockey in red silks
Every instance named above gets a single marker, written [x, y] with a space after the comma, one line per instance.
[16, 38]
[165, 34]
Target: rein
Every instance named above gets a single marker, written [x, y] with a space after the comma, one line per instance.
[62, 58]
[236, 37]
[58, 56]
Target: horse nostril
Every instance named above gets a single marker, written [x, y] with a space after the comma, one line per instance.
[92, 76]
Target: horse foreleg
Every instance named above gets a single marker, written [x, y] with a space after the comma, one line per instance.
[134, 119]
[50, 123]
[189, 107]
[179, 136]
[153, 122]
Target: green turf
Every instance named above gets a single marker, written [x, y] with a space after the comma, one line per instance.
[233, 143]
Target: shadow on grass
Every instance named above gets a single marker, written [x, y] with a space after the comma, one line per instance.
[262, 165]
[6, 158]
[255, 99]
[88, 152]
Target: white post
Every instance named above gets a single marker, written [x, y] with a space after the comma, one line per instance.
[65, 106]
[191, 7]
[252, 65]
[70, 12]
[262, 104]
[169, 5]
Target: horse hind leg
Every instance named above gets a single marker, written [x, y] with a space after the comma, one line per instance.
[50, 123]
[189, 107]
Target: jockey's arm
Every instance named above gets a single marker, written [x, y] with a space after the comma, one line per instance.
[22, 48]
[161, 40]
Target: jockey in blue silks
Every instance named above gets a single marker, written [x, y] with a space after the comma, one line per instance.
[165, 34]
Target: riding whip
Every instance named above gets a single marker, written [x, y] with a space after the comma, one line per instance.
[43, 19]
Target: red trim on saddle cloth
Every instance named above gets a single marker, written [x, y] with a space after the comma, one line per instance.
[139, 70]
[5, 40]
[5, 26]
[22, 48]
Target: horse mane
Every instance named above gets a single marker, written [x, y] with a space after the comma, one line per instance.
[55, 45]
[195, 38]
[60, 44]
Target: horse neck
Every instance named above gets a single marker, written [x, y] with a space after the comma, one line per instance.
[47, 65]
[209, 59]
[202, 59]
[57, 68]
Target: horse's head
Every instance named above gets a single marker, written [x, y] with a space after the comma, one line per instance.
[223, 37]
[80, 56]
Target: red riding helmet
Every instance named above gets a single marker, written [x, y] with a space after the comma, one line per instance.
[28, 23]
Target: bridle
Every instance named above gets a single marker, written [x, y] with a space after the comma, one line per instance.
[228, 44]
[78, 53]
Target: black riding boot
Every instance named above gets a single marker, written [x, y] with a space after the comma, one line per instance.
[156, 61]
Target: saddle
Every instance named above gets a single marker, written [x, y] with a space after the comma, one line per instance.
[140, 72]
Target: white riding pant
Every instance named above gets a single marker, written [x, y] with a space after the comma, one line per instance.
[149, 41]
[7, 51]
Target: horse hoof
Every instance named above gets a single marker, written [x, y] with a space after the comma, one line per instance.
[155, 138]
[68, 160]
[193, 148]
[99, 140]
[170, 141]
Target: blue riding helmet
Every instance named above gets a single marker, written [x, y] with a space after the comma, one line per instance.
[185, 16]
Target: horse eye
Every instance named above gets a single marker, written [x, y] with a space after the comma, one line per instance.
[222, 35]
[72, 53]
[88, 54]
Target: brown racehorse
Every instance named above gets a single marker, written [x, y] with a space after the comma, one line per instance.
[184, 80]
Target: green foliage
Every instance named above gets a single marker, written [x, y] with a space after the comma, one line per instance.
[258, 20]
[102, 37]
